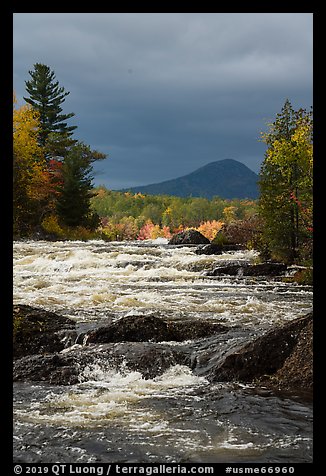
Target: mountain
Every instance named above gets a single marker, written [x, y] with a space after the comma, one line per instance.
[226, 178]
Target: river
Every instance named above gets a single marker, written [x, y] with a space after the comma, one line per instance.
[115, 415]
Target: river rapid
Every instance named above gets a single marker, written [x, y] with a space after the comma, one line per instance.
[115, 415]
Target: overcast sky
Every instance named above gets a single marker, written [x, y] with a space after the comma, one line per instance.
[165, 93]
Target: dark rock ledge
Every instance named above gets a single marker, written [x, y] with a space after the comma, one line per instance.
[150, 328]
[215, 249]
[38, 331]
[279, 359]
[245, 269]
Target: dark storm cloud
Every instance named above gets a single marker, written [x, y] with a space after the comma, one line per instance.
[165, 93]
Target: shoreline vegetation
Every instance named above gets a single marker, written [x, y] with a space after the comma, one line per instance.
[55, 199]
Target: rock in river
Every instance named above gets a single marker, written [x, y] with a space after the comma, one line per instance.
[38, 331]
[262, 269]
[141, 343]
[189, 237]
[282, 357]
[216, 249]
[68, 367]
[150, 328]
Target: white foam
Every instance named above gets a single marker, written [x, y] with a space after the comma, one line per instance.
[107, 394]
[96, 276]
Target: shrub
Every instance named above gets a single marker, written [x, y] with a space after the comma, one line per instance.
[242, 232]
[126, 229]
[149, 231]
[210, 228]
[50, 225]
[304, 276]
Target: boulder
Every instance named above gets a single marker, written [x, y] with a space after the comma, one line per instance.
[130, 329]
[192, 330]
[150, 328]
[67, 368]
[54, 368]
[282, 357]
[244, 269]
[38, 331]
[215, 249]
[138, 343]
[189, 237]
[297, 370]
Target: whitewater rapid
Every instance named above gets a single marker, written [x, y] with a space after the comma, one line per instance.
[116, 415]
[87, 280]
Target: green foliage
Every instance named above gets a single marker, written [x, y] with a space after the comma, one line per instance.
[126, 229]
[46, 97]
[75, 191]
[51, 226]
[163, 210]
[220, 239]
[241, 232]
[304, 277]
[52, 172]
[285, 203]
[31, 187]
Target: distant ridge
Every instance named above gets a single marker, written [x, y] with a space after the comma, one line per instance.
[226, 178]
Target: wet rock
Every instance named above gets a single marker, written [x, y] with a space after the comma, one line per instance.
[138, 343]
[150, 328]
[55, 369]
[297, 370]
[131, 329]
[37, 331]
[280, 358]
[215, 249]
[150, 359]
[273, 357]
[190, 330]
[189, 237]
[263, 269]
[76, 364]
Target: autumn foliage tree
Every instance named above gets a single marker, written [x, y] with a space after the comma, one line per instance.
[52, 171]
[286, 181]
[31, 179]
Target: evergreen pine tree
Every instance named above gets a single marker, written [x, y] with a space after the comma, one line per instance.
[75, 191]
[46, 96]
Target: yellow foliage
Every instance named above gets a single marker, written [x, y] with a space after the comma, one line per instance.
[50, 225]
[101, 193]
[30, 176]
[25, 132]
[230, 213]
[210, 228]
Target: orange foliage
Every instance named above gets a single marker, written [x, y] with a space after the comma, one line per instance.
[149, 231]
[210, 228]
